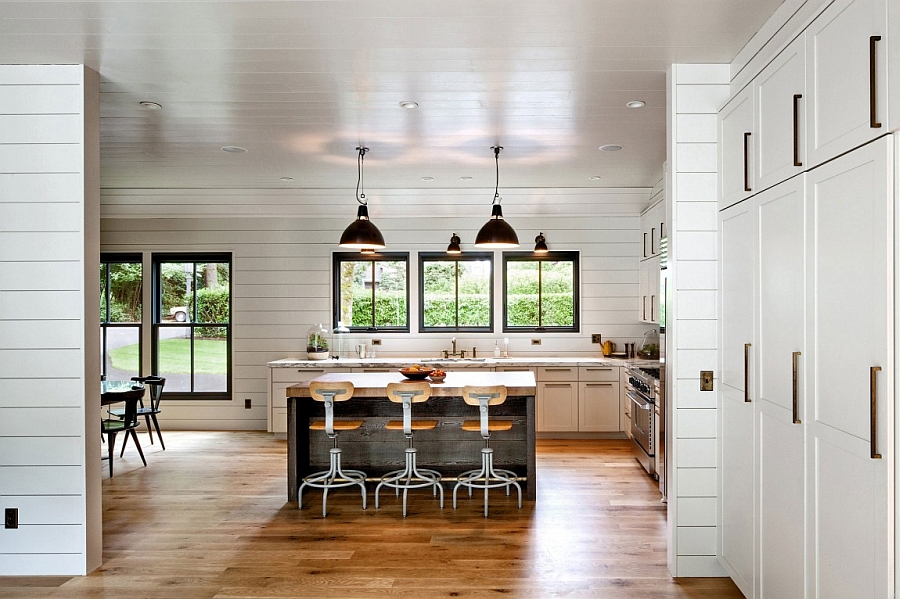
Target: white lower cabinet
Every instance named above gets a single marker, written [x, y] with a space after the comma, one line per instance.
[806, 491]
[572, 399]
[598, 399]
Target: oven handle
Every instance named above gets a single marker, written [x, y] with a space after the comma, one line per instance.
[644, 405]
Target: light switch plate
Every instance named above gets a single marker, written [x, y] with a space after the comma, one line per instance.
[706, 380]
[11, 517]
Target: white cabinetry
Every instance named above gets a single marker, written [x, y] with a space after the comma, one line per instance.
[598, 399]
[557, 409]
[281, 379]
[572, 399]
[846, 77]
[735, 149]
[805, 498]
[652, 229]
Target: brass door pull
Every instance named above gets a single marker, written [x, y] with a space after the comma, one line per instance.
[797, 162]
[796, 407]
[873, 404]
[747, 372]
[873, 81]
[746, 163]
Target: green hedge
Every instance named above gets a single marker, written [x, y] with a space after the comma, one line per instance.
[522, 310]
[212, 306]
[473, 311]
[390, 310]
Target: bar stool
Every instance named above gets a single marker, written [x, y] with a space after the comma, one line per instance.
[487, 477]
[335, 476]
[411, 477]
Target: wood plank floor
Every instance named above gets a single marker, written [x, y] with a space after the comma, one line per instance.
[208, 518]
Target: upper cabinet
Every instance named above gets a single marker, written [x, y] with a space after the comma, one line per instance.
[653, 230]
[735, 149]
[846, 77]
[781, 100]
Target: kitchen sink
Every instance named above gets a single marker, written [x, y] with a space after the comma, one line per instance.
[442, 359]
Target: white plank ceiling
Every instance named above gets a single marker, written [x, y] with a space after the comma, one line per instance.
[300, 84]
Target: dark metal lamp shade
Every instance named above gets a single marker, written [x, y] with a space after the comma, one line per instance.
[540, 244]
[362, 234]
[497, 233]
[454, 248]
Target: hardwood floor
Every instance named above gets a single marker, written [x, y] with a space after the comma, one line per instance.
[208, 518]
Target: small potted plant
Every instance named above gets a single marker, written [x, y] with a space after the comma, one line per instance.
[317, 343]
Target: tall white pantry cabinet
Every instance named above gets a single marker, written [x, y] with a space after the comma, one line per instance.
[807, 316]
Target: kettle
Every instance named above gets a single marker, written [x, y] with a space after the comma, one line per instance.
[608, 348]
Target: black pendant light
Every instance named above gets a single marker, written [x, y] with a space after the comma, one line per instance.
[454, 248]
[496, 233]
[362, 234]
[540, 244]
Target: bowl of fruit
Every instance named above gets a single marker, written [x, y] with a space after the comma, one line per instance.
[416, 372]
[437, 375]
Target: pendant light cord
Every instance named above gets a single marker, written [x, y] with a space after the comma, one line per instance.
[497, 198]
[361, 197]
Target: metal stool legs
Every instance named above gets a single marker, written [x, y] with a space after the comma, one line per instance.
[411, 477]
[333, 478]
[486, 478]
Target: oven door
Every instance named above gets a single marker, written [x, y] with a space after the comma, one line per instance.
[642, 430]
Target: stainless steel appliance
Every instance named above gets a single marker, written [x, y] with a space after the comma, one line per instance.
[641, 388]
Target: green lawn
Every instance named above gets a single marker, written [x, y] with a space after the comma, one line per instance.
[175, 356]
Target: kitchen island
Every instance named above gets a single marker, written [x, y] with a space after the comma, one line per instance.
[447, 449]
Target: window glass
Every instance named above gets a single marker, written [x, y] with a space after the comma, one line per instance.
[456, 292]
[121, 288]
[372, 293]
[540, 293]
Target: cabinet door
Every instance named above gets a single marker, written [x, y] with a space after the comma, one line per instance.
[848, 97]
[851, 337]
[653, 289]
[735, 149]
[598, 407]
[557, 407]
[780, 404]
[735, 407]
[781, 101]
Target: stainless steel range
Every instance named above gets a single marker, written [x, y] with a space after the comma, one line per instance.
[642, 389]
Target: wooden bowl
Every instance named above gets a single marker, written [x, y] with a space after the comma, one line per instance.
[417, 375]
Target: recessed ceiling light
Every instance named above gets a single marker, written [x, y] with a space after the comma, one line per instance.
[611, 148]
[636, 104]
[466, 178]
[427, 178]
[287, 178]
[408, 104]
[234, 149]
[594, 177]
[150, 105]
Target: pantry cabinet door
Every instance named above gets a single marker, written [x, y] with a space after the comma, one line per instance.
[842, 49]
[851, 298]
[781, 101]
[780, 403]
[735, 149]
[736, 457]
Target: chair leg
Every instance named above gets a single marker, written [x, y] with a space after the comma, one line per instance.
[158, 433]
[136, 444]
[111, 445]
[149, 430]
[124, 443]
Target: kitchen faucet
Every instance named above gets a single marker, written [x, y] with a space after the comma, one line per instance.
[461, 353]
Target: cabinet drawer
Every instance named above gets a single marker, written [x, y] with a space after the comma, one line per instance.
[279, 420]
[557, 373]
[598, 373]
[297, 375]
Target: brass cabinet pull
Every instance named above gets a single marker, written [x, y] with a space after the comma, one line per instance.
[797, 130]
[747, 372]
[873, 76]
[558, 369]
[746, 166]
[644, 307]
[597, 369]
[598, 384]
[796, 408]
[645, 245]
[873, 417]
[652, 312]
[652, 242]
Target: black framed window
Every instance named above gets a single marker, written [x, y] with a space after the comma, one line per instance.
[191, 345]
[371, 291]
[456, 292]
[540, 292]
[121, 288]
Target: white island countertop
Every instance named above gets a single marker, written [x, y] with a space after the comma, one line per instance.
[456, 363]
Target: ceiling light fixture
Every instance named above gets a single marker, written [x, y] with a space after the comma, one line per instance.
[427, 178]
[466, 178]
[234, 149]
[150, 105]
[610, 148]
[409, 104]
[540, 244]
[594, 177]
[454, 248]
[286, 179]
[497, 233]
[361, 234]
[635, 104]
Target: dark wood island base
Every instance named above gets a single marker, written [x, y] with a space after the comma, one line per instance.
[447, 449]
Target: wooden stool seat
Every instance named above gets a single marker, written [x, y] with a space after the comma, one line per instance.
[416, 425]
[339, 425]
[410, 477]
[474, 426]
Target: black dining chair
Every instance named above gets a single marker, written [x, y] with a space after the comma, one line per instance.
[154, 386]
[127, 422]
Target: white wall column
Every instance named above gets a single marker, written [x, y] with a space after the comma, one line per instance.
[695, 93]
[49, 315]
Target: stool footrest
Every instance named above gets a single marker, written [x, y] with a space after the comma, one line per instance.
[416, 425]
[339, 425]
[474, 426]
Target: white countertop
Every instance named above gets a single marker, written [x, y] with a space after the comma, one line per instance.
[460, 363]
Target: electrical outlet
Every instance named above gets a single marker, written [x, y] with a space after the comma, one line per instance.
[376, 341]
[535, 342]
[706, 380]
[596, 338]
[248, 404]
[11, 517]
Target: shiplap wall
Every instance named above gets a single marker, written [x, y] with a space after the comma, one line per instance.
[49, 309]
[695, 93]
[282, 266]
